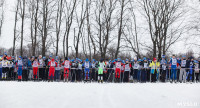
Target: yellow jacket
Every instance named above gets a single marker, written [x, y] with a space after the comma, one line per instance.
[154, 66]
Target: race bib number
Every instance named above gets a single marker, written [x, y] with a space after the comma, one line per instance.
[118, 65]
[35, 64]
[53, 64]
[174, 61]
[66, 64]
[87, 65]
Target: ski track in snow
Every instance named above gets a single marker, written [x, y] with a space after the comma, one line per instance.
[94, 95]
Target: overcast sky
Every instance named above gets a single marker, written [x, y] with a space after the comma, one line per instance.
[7, 32]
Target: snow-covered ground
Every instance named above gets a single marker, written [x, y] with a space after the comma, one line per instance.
[94, 95]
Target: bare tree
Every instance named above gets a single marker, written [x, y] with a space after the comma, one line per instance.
[15, 27]
[69, 13]
[58, 23]
[2, 3]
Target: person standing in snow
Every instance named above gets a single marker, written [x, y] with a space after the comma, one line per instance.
[118, 66]
[163, 69]
[100, 71]
[154, 69]
[5, 68]
[57, 69]
[135, 69]
[183, 73]
[0, 68]
[19, 65]
[93, 73]
[87, 65]
[127, 70]
[52, 65]
[67, 66]
[25, 70]
[41, 68]
[196, 70]
[144, 70]
[35, 65]
[173, 63]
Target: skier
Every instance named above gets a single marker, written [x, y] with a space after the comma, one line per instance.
[100, 71]
[154, 69]
[52, 65]
[182, 75]
[73, 70]
[5, 68]
[35, 68]
[87, 65]
[173, 63]
[190, 69]
[127, 70]
[196, 70]
[57, 69]
[163, 64]
[118, 66]
[0, 68]
[144, 70]
[67, 65]
[79, 71]
[25, 70]
[140, 67]
[41, 68]
[135, 68]
[19, 65]
[93, 73]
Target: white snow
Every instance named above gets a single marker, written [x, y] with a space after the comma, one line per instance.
[94, 95]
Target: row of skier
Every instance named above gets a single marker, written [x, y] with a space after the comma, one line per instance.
[77, 70]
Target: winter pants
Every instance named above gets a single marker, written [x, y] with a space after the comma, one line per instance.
[135, 74]
[51, 73]
[41, 73]
[4, 72]
[117, 72]
[73, 74]
[19, 71]
[57, 75]
[163, 75]
[153, 77]
[182, 75]
[25, 74]
[87, 74]
[35, 71]
[173, 74]
[0, 73]
[93, 74]
[143, 75]
[139, 75]
[66, 73]
[197, 76]
[126, 76]
[78, 75]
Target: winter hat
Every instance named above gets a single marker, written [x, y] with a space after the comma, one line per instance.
[93, 60]
[52, 59]
[87, 60]
[144, 58]
[56, 57]
[118, 59]
[154, 59]
[44, 57]
[184, 56]
[139, 60]
[5, 53]
[127, 60]
[163, 56]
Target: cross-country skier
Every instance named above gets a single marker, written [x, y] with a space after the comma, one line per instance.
[93, 73]
[57, 69]
[154, 69]
[100, 71]
[163, 69]
[0, 68]
[67, 66]
[52, 65]
[144, 70]
[196, 70]
[127, 70]
[35, 65]
[190, 69]
[118, 65]
[25, 70]
[183, 73]
[173, 63]
[87, 66]
[5, 68]
[19, 65]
